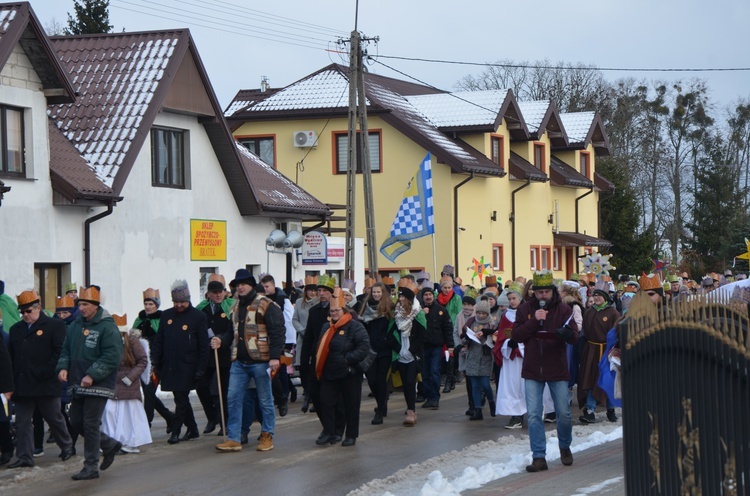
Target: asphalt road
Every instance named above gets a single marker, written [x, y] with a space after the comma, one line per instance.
[296, 466]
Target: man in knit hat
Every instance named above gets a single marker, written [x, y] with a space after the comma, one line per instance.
[180, 357]
[544, 325]
[89, 360]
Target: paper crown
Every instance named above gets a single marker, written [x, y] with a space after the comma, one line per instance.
[589, 277]
[90, 294]
[422, 275]
[300, 283]
[71, 286]
[574, 277]
[714, 276]
[666, 286]
[516, 287]
[64, 302]
[448, 269]
[337, 300]
[369, 282]
[492, 290]
[326, 281]
[311, 281]
[350, 285]
[388, 281]
[707, 282]
[218, 278]
[673, 278]
[120, 320]
[521, 279]
[27, 298]
[543, 279]
[407, 288]
[649, 282]
[634, 284]
[490, 280]
[458, 280]
[471, 294]
[151, 294]
[446, 280]
[404, 272]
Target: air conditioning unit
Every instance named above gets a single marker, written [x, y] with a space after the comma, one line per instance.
[304, 139]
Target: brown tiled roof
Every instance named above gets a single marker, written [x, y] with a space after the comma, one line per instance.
[520, 168]
[71, 175]
[124, 79]
[562, 174]
[19, 24]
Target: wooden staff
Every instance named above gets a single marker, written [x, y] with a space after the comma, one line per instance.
[221, 394]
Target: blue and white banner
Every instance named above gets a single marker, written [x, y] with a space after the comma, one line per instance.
[415, 217]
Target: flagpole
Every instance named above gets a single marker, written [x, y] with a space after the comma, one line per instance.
[434, 259]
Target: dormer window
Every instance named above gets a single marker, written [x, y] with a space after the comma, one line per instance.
[496, 150]
[539, 157]
[585, 165]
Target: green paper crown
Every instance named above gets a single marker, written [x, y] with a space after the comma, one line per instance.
[404, 272]
[516, 287]
[543, 279]
[327, 281]
[472, 292]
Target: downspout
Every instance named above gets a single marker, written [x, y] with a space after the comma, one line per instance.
[591, 190]
[87, 241]
[455, 219]
[513, 229]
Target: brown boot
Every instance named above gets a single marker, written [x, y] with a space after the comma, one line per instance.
[411, 418]
[266, 442]
[566, 457]
[537, 465]
[229, 446]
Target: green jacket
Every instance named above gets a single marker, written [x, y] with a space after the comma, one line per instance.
[92, 348]
[226, 305]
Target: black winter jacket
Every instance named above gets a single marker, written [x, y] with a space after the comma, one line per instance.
[345, 351]
[34, 353]
[180, 348]
[439, 329]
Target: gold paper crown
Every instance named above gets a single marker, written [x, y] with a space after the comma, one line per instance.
[311, 280]
[151, 294]
[516, 287]
[326, 281]
[65, 302]
[408, 284]
[27, 297]
[120, 320]
[90, 294]
[650, 281]
[543, 279]
[714, 276]
[337, 300]
[369, 282]
[218, 278]
[490, 280]
[458, 280]
[472, 293]
[494, 290]
[388, 281]
[446, 280]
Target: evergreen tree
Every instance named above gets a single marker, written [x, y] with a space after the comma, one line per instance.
[91, 17]
[619, 218]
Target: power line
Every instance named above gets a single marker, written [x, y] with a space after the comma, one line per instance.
[206, 18]
[534, 66]
[286, 19]
[292, 42]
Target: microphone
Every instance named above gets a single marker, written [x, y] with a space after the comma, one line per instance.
[542, 303]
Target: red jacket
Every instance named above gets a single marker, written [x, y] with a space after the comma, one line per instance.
[545, 357]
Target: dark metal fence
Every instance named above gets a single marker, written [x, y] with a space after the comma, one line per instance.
[686, 398]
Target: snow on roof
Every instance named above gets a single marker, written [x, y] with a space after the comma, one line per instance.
[273, 189]
[116, 77]
[405, 111]
[236, 106]
[533, 113]
[462, 108]
[324, 90]
[577, 125]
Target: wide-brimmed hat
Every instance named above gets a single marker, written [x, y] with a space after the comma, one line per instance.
[243, 276]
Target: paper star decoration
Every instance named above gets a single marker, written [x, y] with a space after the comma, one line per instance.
[659, 266]
[597, 263]
[480, 268]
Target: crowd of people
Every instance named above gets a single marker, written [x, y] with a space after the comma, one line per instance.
[85, 372]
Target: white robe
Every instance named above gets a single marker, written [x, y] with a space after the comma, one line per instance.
[511, 399]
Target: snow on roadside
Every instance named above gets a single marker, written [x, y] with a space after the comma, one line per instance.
[482, 463]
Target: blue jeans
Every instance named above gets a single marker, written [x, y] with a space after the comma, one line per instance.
[431, 372]
[591, 402]
[480, 384]
[239, 376]
[537, 436]
[249, 407]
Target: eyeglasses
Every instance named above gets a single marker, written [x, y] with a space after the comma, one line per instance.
[27, 311]
[650, 293]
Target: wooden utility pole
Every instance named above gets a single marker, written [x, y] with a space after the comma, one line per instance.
[361, 141]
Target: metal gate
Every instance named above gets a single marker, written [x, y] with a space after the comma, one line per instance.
[686, 398]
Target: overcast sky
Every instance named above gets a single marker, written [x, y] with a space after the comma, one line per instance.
[237, 47]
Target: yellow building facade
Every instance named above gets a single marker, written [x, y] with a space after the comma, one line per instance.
[501, 192]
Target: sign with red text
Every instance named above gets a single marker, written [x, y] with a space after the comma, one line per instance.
[208, 240]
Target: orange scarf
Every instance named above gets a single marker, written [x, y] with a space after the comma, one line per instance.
[321, 354]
